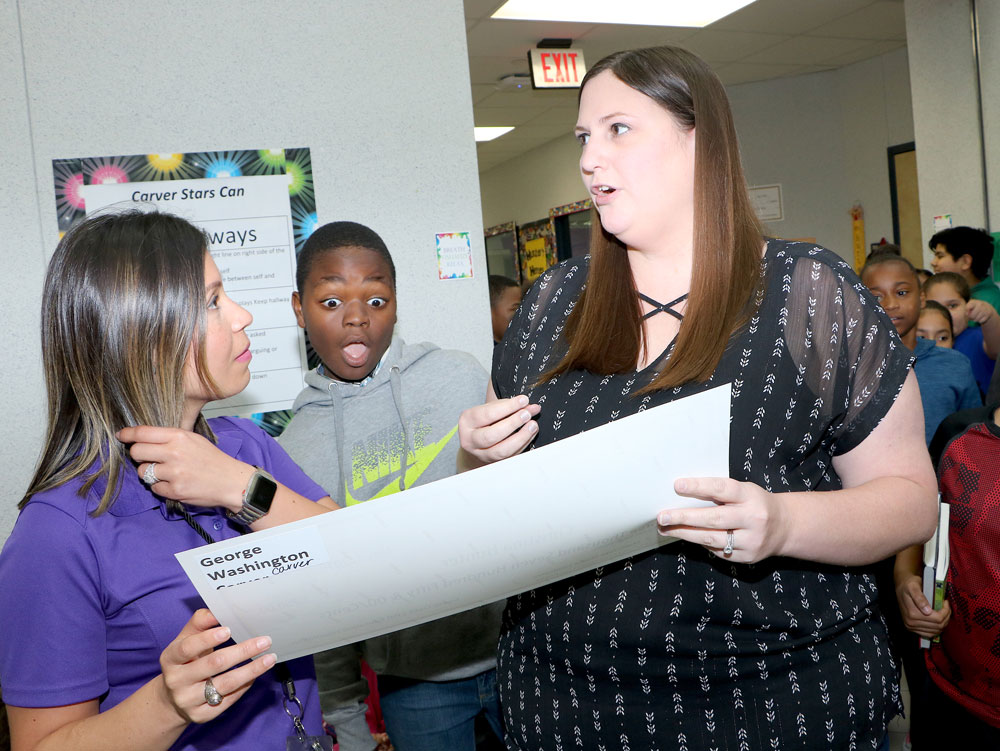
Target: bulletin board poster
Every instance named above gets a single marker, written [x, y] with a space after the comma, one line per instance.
[536, 242]
[257, 208]
[454, 255]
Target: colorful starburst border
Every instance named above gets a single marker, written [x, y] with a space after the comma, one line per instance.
[70, 174]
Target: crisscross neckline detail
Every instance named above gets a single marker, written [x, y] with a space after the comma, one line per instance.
[663, 307]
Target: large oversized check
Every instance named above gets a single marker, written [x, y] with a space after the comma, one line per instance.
[467, 540]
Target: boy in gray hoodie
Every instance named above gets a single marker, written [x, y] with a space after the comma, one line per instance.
[376, 417]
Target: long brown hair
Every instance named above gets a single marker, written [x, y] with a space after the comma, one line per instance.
[605, 330]
[124, 297]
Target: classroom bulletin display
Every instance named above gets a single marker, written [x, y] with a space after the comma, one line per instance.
[257, 208]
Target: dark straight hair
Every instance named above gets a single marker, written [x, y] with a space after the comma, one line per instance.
[605, 329]
[124, 299]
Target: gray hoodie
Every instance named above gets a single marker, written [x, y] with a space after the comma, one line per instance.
[397, 429]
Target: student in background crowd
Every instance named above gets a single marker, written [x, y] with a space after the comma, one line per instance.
[961, 690]
[505, 297]
[944, 375]
[935, 325]
[979, 343]
[969, 252]
[923, 275]
[376, 417]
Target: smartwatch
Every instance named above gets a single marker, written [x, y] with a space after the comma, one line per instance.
[257, 498]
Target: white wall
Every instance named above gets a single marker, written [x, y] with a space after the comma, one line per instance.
[379, 91]
[945, 110]
[21, 385]
[822, 136]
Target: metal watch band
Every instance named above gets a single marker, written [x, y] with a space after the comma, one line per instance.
[248, 514]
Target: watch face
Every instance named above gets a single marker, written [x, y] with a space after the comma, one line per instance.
[261, 492]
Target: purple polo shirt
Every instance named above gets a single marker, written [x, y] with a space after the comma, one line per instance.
[87, 604]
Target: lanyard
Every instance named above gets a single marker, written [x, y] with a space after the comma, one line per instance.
[290, 701]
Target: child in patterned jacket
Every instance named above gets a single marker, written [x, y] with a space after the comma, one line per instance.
[961, 689]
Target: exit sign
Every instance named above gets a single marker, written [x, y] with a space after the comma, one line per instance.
[556, 68]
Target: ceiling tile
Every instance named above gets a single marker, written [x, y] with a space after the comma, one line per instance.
[880, 20]
[716, 46]
[806, 50]
[745, 72]
[481, 8]
[871, 49]
[515, 38]
[607, 38]
[788, 17]
[562, 117]
[489, 70]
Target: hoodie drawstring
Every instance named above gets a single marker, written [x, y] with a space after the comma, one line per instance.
[397, 398]
[346, 467]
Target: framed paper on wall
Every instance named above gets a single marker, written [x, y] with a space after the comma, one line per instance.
[536, 241]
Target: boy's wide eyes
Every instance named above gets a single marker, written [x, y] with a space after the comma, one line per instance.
[334, 302]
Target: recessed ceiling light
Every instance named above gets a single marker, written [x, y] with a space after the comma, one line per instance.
[638, 12]
[489, 133]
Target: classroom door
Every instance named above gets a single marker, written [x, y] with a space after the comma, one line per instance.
[906, 202]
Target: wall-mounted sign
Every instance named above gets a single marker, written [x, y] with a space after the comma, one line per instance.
[454, 255]
[942, 221]
[536, 242]
[257, 208]
[556, 68]
[766, 201]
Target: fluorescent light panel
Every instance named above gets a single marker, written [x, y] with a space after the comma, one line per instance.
[491, 132]
[695, 13]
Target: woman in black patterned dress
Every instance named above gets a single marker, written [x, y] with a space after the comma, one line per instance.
[761, 628]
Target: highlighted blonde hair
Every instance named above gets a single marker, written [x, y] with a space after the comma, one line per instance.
[124, 298]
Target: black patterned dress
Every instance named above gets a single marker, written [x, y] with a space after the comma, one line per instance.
[677, 648]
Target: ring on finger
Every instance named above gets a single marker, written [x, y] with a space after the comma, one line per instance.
[212, 696]
[149, 476]
[728, 550]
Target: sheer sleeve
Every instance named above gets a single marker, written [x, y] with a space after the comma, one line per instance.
[532, 344]
[845, 348]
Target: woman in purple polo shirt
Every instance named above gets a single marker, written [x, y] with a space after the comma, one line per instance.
[104, 644]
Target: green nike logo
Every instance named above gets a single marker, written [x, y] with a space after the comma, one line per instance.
[423, 459]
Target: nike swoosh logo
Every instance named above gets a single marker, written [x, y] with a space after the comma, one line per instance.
[424, 457]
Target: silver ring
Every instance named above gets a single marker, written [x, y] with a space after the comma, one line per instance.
[212, 696]
[149, 476]
[728, 550]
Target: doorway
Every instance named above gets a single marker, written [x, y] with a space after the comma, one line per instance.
[906, 202]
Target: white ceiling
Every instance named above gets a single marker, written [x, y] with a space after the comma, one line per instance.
[767, 39]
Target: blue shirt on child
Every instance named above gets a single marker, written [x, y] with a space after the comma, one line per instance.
[970, 344]
[946, 383]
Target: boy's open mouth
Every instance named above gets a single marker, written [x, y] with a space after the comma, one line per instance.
[356, 354]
